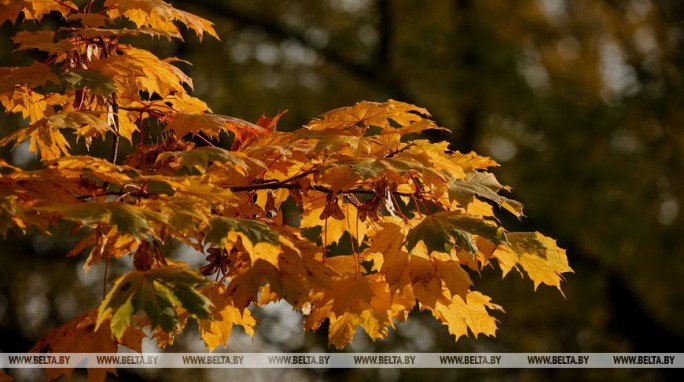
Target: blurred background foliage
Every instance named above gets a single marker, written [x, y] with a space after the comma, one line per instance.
[580, 101]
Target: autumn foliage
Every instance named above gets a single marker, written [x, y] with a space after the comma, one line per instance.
[348, 219]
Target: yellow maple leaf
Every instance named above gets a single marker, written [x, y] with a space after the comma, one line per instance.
[339, 178]
[159, 15]
[32, 105]
[36, 9]
[365, 114]
[33, 9]
[216, 330]
[46, 136]
[452, 274]
[389, 241]
[427, 286]
[374, 314]
[540, 257]
[461, 315]
[80, 336]
[335, 227]
[139, 70]
[342, 329]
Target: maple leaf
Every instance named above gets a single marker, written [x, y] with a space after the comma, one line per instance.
[342, 329]
[31, 104]
[482, 185]
[157, 292]
[158, 14]
[128, 219]
[447, 229]
[471, 161]
[463, 314]
[212, 125]
[47, 138]
[365, 114]
[97, 83]
[334, 228]
[372, 167]
[35, 9]
[41, 40]
[298, 274]
[200, 187]
[339, 177]
[389, 241]
[34, 75]
[427, 286]
[257, 238]
[452, 274]
[434, 162]
[216, 330]
[139, 70]
[245, 283]
[200, 158]
[540, 257]
[81, 335]
[352, 302]
[75, 166]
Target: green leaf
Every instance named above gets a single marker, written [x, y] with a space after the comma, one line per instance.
[254, 231]
[483, 185]
[443, 230]
[97, 83]
[201, 157]
[128, 219]
[372, 167]
[157, 292]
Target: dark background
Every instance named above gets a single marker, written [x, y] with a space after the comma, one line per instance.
[580, 101]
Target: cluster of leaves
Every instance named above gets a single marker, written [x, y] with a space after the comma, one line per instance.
[346, 218]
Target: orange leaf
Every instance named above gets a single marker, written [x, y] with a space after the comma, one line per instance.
[79, 336]
[365, 114]
[216, 330]
[5, 377]
[425, 280]
[139, 70]
[158, 14]
[41, 40]
[461, 315]
[34, 75]
[212, 125]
